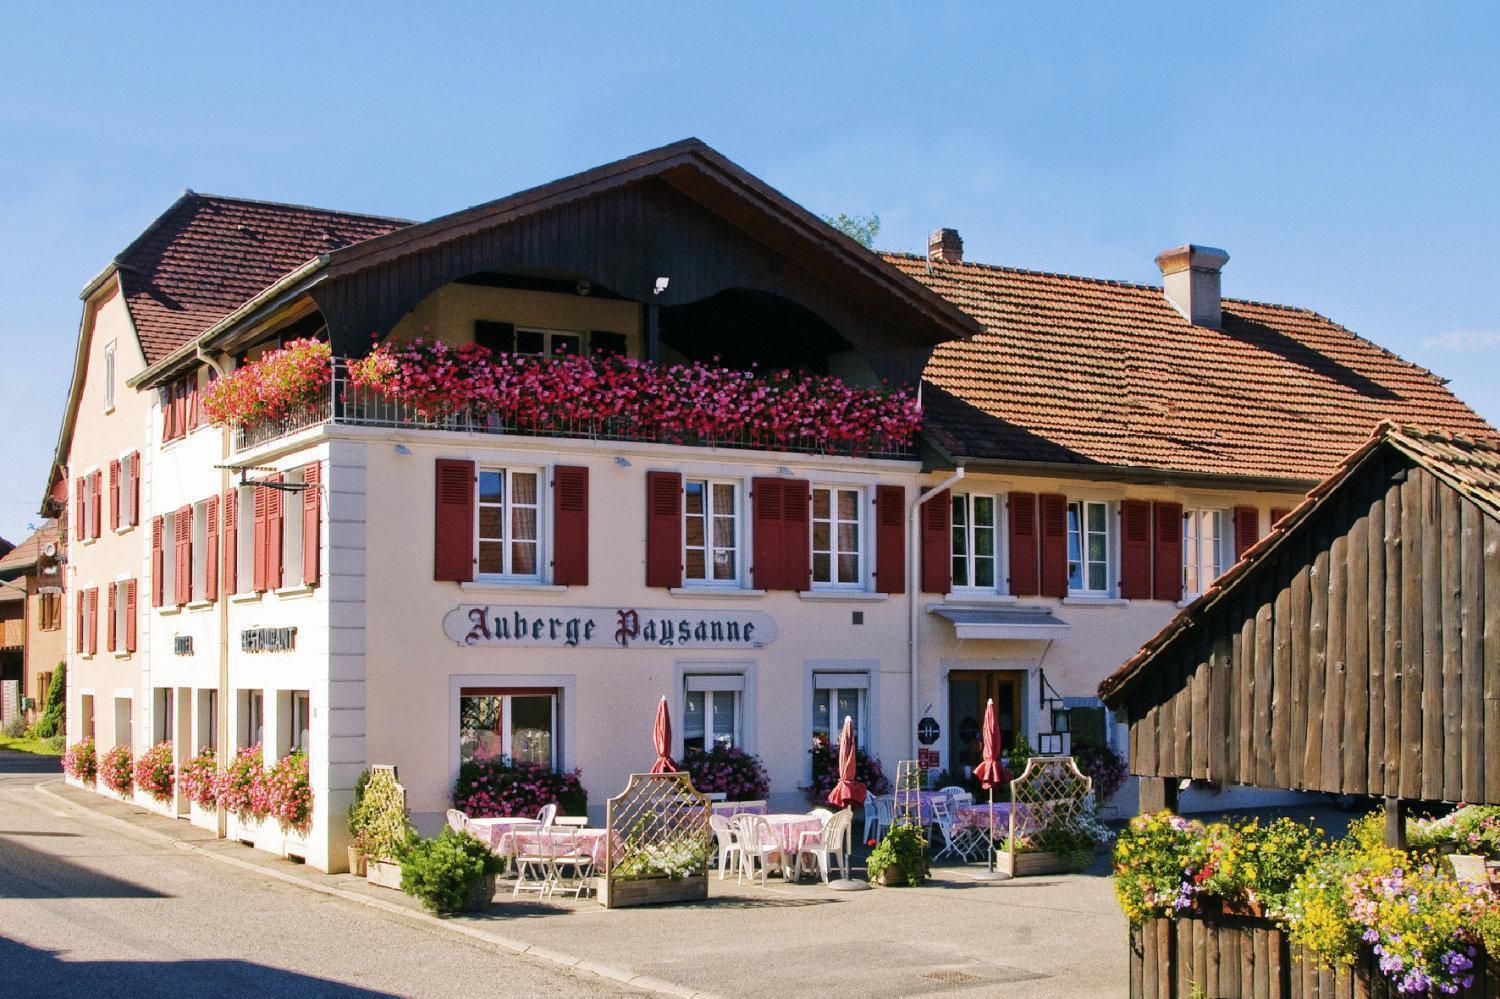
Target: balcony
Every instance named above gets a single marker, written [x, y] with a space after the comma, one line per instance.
[347, 403]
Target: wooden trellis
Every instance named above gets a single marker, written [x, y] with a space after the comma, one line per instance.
[659, 842]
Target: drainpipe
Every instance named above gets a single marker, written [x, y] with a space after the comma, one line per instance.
[913, 592]
[221, 709]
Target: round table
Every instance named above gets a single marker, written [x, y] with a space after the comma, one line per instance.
[788, 829]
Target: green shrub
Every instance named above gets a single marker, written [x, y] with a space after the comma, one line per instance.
[54, 708]
[378, 820]
[901, 856]
[443, 873]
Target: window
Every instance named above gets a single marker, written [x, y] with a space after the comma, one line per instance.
[169, 559]
[837, 537]
[123, 734]
[711, 531]
[49, 609]
[120, 635]
[497, 338]
[975, 552]
[43, 684]
[86, 716]
[520, 725]
[603, 343]
[1088, 547]
[837, 696]
[711, 710]
[548, 342]
[509, 511]
[1205, 549]
[252, 721]
[208, 720]
[301, 721]
[244, 541]
[128, 496]
[109, 376]
[177, 400]
[200, 552]
[291, 530]
[162, 720]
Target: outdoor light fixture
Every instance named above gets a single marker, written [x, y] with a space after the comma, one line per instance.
[661, 285]
[1060, 720]
[402, 449]
[622, 461]
[783, 470]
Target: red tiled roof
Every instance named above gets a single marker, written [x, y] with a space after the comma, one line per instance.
[24, 555]
[206, 255]
[1086, 371]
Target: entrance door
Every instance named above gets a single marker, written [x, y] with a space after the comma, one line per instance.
[968, 691]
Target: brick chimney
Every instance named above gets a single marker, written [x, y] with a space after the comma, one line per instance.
[1190, 280]
[945, 246]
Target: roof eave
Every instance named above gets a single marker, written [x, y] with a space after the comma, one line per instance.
[1140, 474]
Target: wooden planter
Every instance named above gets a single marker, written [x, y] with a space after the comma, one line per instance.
[1022, 864]
[385, 873]
[889, 878]
[481, 895]
[652, 891]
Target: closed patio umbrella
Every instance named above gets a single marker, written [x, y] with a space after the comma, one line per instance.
[846, 792]
[991, 771]
[661, 735]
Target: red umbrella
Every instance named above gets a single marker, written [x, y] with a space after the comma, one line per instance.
[661, 734]
[847, 790]
[991, 770]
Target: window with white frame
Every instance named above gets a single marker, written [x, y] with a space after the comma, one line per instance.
[109, 376]
[301, 721]
[162, 723]
[252, 721]
[509, 514]
[838, 536]
[207, 730]
[244, 542]
[837, 696]
[291, 530]
[518, 724]
[129, 489]
[711, 531]
[199, 586]
[548, 342]
[122, 614]
[1205, 549]
[712, 704]
[976, 549]
[1088, 548]
[169, 559]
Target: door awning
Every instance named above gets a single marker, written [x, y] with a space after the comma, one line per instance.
[1014, 622]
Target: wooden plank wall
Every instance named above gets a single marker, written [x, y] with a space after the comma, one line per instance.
[1362, 658]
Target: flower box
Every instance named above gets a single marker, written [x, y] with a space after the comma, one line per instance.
[1036, 862]
[652, 891]
[384, 873]
[482, 895]
[357, 865]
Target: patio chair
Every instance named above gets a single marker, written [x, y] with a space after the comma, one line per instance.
[880, 812]
[457, 820]
[532, 862]
[829, 843]
[758, 845]
[823, 814]
[958, 843]
[728, 848]
[570, 865]
[961, 799]
[547, 815]
[717, 796]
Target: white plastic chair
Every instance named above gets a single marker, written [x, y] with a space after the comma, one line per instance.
[880, 812]
[547, 815]
[531, 860]
[823, 814]
[758, 845]
[832, 841]
[457, 820]
[728, 847]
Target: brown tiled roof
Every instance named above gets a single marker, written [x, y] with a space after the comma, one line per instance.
[24, 555]
[206, 255]
[1080, 370]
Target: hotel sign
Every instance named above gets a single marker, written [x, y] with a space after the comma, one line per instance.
[607, 627]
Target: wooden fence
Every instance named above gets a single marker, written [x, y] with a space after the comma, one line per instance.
[1232, 957]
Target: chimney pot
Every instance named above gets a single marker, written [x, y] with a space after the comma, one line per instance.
[945, 246]
[1190, 281]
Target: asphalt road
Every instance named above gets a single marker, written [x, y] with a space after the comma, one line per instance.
[87, 908]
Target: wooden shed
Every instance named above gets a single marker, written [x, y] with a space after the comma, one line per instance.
[1354, 650]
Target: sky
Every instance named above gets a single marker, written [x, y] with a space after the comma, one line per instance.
[1344, 155]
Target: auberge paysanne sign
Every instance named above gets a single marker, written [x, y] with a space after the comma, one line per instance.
[607, 627]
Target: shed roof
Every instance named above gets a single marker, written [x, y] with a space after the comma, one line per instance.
[25, 555]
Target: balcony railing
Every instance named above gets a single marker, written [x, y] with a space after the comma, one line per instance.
[353, 405]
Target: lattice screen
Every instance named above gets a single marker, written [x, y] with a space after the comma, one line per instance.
[658, 828]
[1050, 792]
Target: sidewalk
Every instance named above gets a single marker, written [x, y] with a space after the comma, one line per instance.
[1056, 936]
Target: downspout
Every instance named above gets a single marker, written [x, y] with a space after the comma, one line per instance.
[221, 709]
[913, 588]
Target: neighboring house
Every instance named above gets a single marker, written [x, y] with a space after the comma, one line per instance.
[354, 581]
[31, 605]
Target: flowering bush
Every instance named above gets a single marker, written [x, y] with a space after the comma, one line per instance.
[1104, 766]
[281, 382]
[498, 786]
[1467, 829]
[1154, 858]
[198, 778]
[153, 771]
[1422, 925]
[238, 789]
[80, 761]
[675, 858]
[825, 772]
[738, 775]
[115, 769]
[287, 793]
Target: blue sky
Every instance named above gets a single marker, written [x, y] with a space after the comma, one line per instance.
[1345, 156]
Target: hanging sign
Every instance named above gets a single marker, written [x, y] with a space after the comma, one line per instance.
[607, 627]
[928, 730]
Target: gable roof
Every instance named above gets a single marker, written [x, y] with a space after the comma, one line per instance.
[1090, 372]
[206, 255]
[1470, 465]
[25, 555]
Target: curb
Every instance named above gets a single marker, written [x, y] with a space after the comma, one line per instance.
[419, 918]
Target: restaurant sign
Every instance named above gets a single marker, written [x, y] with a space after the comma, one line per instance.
[607, 627]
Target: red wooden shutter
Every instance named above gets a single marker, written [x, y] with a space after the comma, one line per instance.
[211, 550]
[1023, 547]
[796, 535]
[80, 509]
[1246, 530]
[275, 514]
[663, 529]
[135, 488]
[1278, 514]
[96, 503]
[1167, 571]
[93, 620]
[767, 552]
[259, 508]
[890, 539]
[130, 615]
[312, 521]
[937, 543]
[453, 538]
[165, 396]
[1053, 508]
[1135, 549]
[180, 408]
[78, 633]
[158, 564]
[109, 618]
[570, 525]
[114, 495]
[231, 536]
[183, 555]
[192, 404]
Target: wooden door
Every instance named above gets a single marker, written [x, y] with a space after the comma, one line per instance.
[968, 692]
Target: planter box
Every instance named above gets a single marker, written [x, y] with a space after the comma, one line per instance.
[652, 891]
[357, 865]
[481, 895]
[385, 873]
[1039, 862]
[888, 878]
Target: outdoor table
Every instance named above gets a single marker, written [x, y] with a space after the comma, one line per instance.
[488, 830]
[978, 817]
[728, 808]
[924, 804]
[511, 841]
[788, 829]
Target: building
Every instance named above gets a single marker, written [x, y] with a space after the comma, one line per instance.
[377, 582]
[31, 606]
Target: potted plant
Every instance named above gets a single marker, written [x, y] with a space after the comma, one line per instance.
[451, 873]
[384, 829]
[900, 858]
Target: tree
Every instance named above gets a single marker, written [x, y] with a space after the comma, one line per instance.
[861, 228]
[53, 710]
